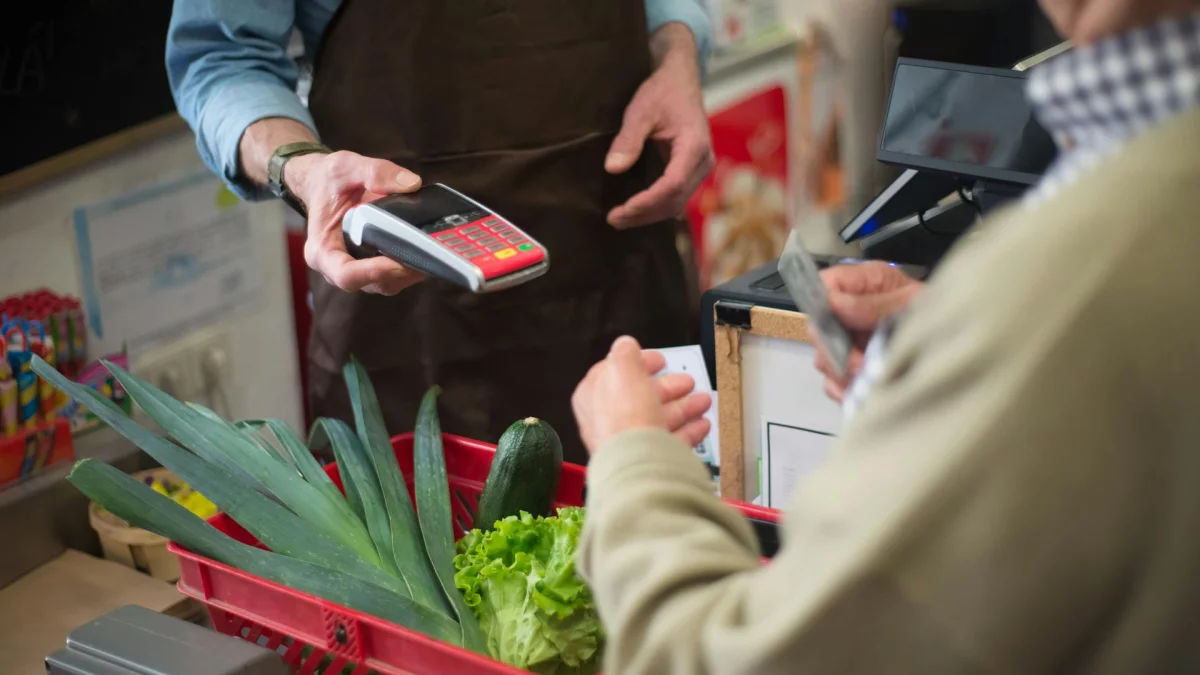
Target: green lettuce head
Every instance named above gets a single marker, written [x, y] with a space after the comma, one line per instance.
[520, 581]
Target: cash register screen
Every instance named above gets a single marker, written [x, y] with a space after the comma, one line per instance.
[971, 122]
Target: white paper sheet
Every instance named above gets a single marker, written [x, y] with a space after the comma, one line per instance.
[689, 360]
[789, 454]
[164, 261]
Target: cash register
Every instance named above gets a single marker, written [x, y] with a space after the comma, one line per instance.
[968, 143]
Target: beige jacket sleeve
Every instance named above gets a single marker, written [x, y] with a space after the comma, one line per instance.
[1017, 496]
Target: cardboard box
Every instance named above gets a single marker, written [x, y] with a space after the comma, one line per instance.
[38, 610]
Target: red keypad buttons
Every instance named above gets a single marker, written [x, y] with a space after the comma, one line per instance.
[493, 245]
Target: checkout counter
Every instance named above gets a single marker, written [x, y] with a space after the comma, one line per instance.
[967, 143]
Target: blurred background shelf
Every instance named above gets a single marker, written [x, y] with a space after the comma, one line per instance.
[45, 515]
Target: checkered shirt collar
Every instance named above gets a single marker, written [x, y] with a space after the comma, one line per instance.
[1093, 98]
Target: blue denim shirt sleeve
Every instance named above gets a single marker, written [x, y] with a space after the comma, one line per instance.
[228, 67]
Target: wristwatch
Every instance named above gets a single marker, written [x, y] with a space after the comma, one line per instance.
[275, 171]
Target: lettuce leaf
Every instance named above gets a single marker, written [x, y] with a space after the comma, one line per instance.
[520, 581]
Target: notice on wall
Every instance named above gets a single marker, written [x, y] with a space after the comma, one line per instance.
[789, 453]
[164, 261]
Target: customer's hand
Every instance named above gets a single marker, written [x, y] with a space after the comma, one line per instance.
[668, 109]
[329, 185]
[620, 394]
[861, 295]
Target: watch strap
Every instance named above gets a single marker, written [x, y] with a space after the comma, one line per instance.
[275, 166]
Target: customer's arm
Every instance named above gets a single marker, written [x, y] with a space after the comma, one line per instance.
[229, 70]
[974, 519]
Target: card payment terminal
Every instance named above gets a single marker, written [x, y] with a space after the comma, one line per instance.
[445, 234]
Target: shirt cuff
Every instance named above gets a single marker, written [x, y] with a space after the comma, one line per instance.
[232, 108]
[874, 361]
[687, 12]
[643, 454]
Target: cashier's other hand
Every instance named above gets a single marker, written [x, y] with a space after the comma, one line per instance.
[861, 295]
[667, 110]
[621, 394]
[329, 185]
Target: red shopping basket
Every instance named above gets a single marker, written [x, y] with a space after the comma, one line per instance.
[318, 637]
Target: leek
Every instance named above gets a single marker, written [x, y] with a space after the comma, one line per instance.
[433, 508]
[272, 524]
[208, 438]
[406, 544]
[143, 507]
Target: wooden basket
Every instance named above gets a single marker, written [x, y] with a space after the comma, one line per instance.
[132, 546]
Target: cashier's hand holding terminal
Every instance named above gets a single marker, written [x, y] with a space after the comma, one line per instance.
[330, 185]
[284, 156]
[861, 295]
[621, 394]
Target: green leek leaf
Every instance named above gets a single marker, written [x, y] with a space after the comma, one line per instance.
[407, 547]
[141, 506]
[318, 439]
[252, 429]
[276, 527]
[308, 465]
[207, 438]
[357, 474]
[433, 509]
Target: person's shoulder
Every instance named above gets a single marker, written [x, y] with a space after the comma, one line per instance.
[1156, 174]
[1109, 258]
[1135, 214]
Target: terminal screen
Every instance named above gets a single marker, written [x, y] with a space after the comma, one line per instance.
[967, 119]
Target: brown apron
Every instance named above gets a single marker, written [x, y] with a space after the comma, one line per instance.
[515, 103]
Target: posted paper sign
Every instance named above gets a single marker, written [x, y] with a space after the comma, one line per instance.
[789, 453]
[162, 262]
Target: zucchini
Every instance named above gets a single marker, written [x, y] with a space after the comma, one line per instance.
[433, 511]
[524, 474]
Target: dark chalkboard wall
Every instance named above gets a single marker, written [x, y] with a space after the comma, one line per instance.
[75, 71]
